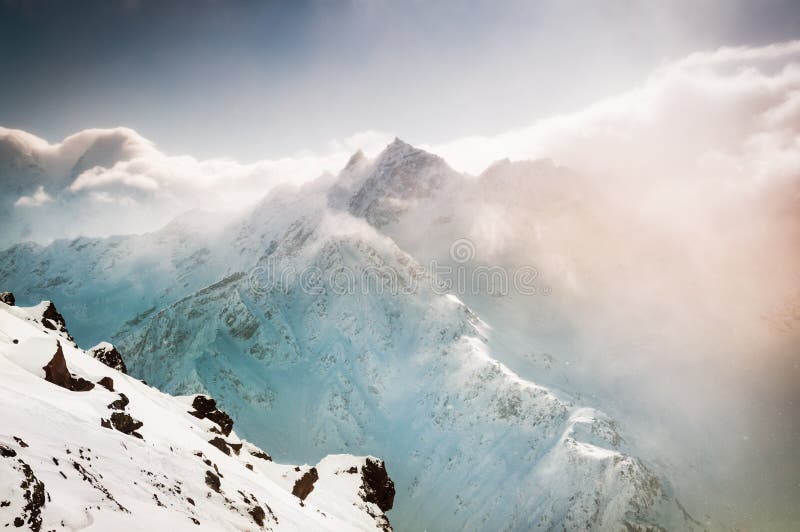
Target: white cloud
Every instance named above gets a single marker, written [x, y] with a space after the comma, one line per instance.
[37, 199]
[686, 114]
[731, 114]
[104, 167]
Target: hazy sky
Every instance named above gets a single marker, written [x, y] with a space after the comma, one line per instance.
[254, 80]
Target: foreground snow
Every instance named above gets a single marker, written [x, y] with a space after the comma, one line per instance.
[73, 460]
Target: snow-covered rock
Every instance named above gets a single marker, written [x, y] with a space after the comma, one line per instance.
[124, 456]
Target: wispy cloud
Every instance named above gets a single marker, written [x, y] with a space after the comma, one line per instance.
[37, 199]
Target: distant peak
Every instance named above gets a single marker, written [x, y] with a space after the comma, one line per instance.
[398, 144]
[398, 150]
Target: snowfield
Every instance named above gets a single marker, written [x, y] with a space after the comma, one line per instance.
[124, 456]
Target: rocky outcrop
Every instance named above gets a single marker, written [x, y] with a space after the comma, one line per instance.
[56, 371]
[378, 488]
[120, 403]
[226, 446]
[108, 355]
[305, 484]
[52, 318]
[7, 298]
[206, 408]
[212, 481]
[126, 424]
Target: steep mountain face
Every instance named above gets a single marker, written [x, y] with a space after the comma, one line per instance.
[84, 445]
[409, 374]
[381, 191]
[319, 333]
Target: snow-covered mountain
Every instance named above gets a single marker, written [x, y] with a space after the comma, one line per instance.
[84, 445]
[313, 320]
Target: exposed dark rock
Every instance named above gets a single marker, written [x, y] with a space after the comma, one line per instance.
[7, 452]
[56, 372]
[53, 320]
[35, 498]
[220, 444]
[190, 500]
[212, 481]
[235, 447]
[109, 356]
[120, 403]
[258, 453]
[126, 424]
[206, 408]
[8, 298]
[15, 341]
[81, 385]
[249, 466]
[195, 521]
[105, 423]
[107, 383]
[93, 481]
[20, 442]
[353, 470]
[377, 486]
[258, 515]
[305, 484]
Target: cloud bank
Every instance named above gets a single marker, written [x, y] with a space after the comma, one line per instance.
[113, 181]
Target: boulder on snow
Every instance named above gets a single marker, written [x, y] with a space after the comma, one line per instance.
[56, 371]
[220, 444]
[120, 403]
[305, 484]
[378, 487]
[206, 408]
[7, 298]
[126, 424]
[108, 355]
[212, 481]
[258, 515]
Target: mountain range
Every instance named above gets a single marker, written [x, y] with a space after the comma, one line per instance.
[332, 318]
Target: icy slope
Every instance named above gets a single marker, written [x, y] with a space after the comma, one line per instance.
[103, 282]
[85, 446]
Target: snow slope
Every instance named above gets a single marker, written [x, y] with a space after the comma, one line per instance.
[63, 466]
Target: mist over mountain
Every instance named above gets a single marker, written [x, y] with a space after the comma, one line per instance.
[598, 332]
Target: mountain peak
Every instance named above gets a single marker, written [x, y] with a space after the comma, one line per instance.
[400, 153]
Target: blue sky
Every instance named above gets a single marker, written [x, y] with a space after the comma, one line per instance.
[263, 79]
